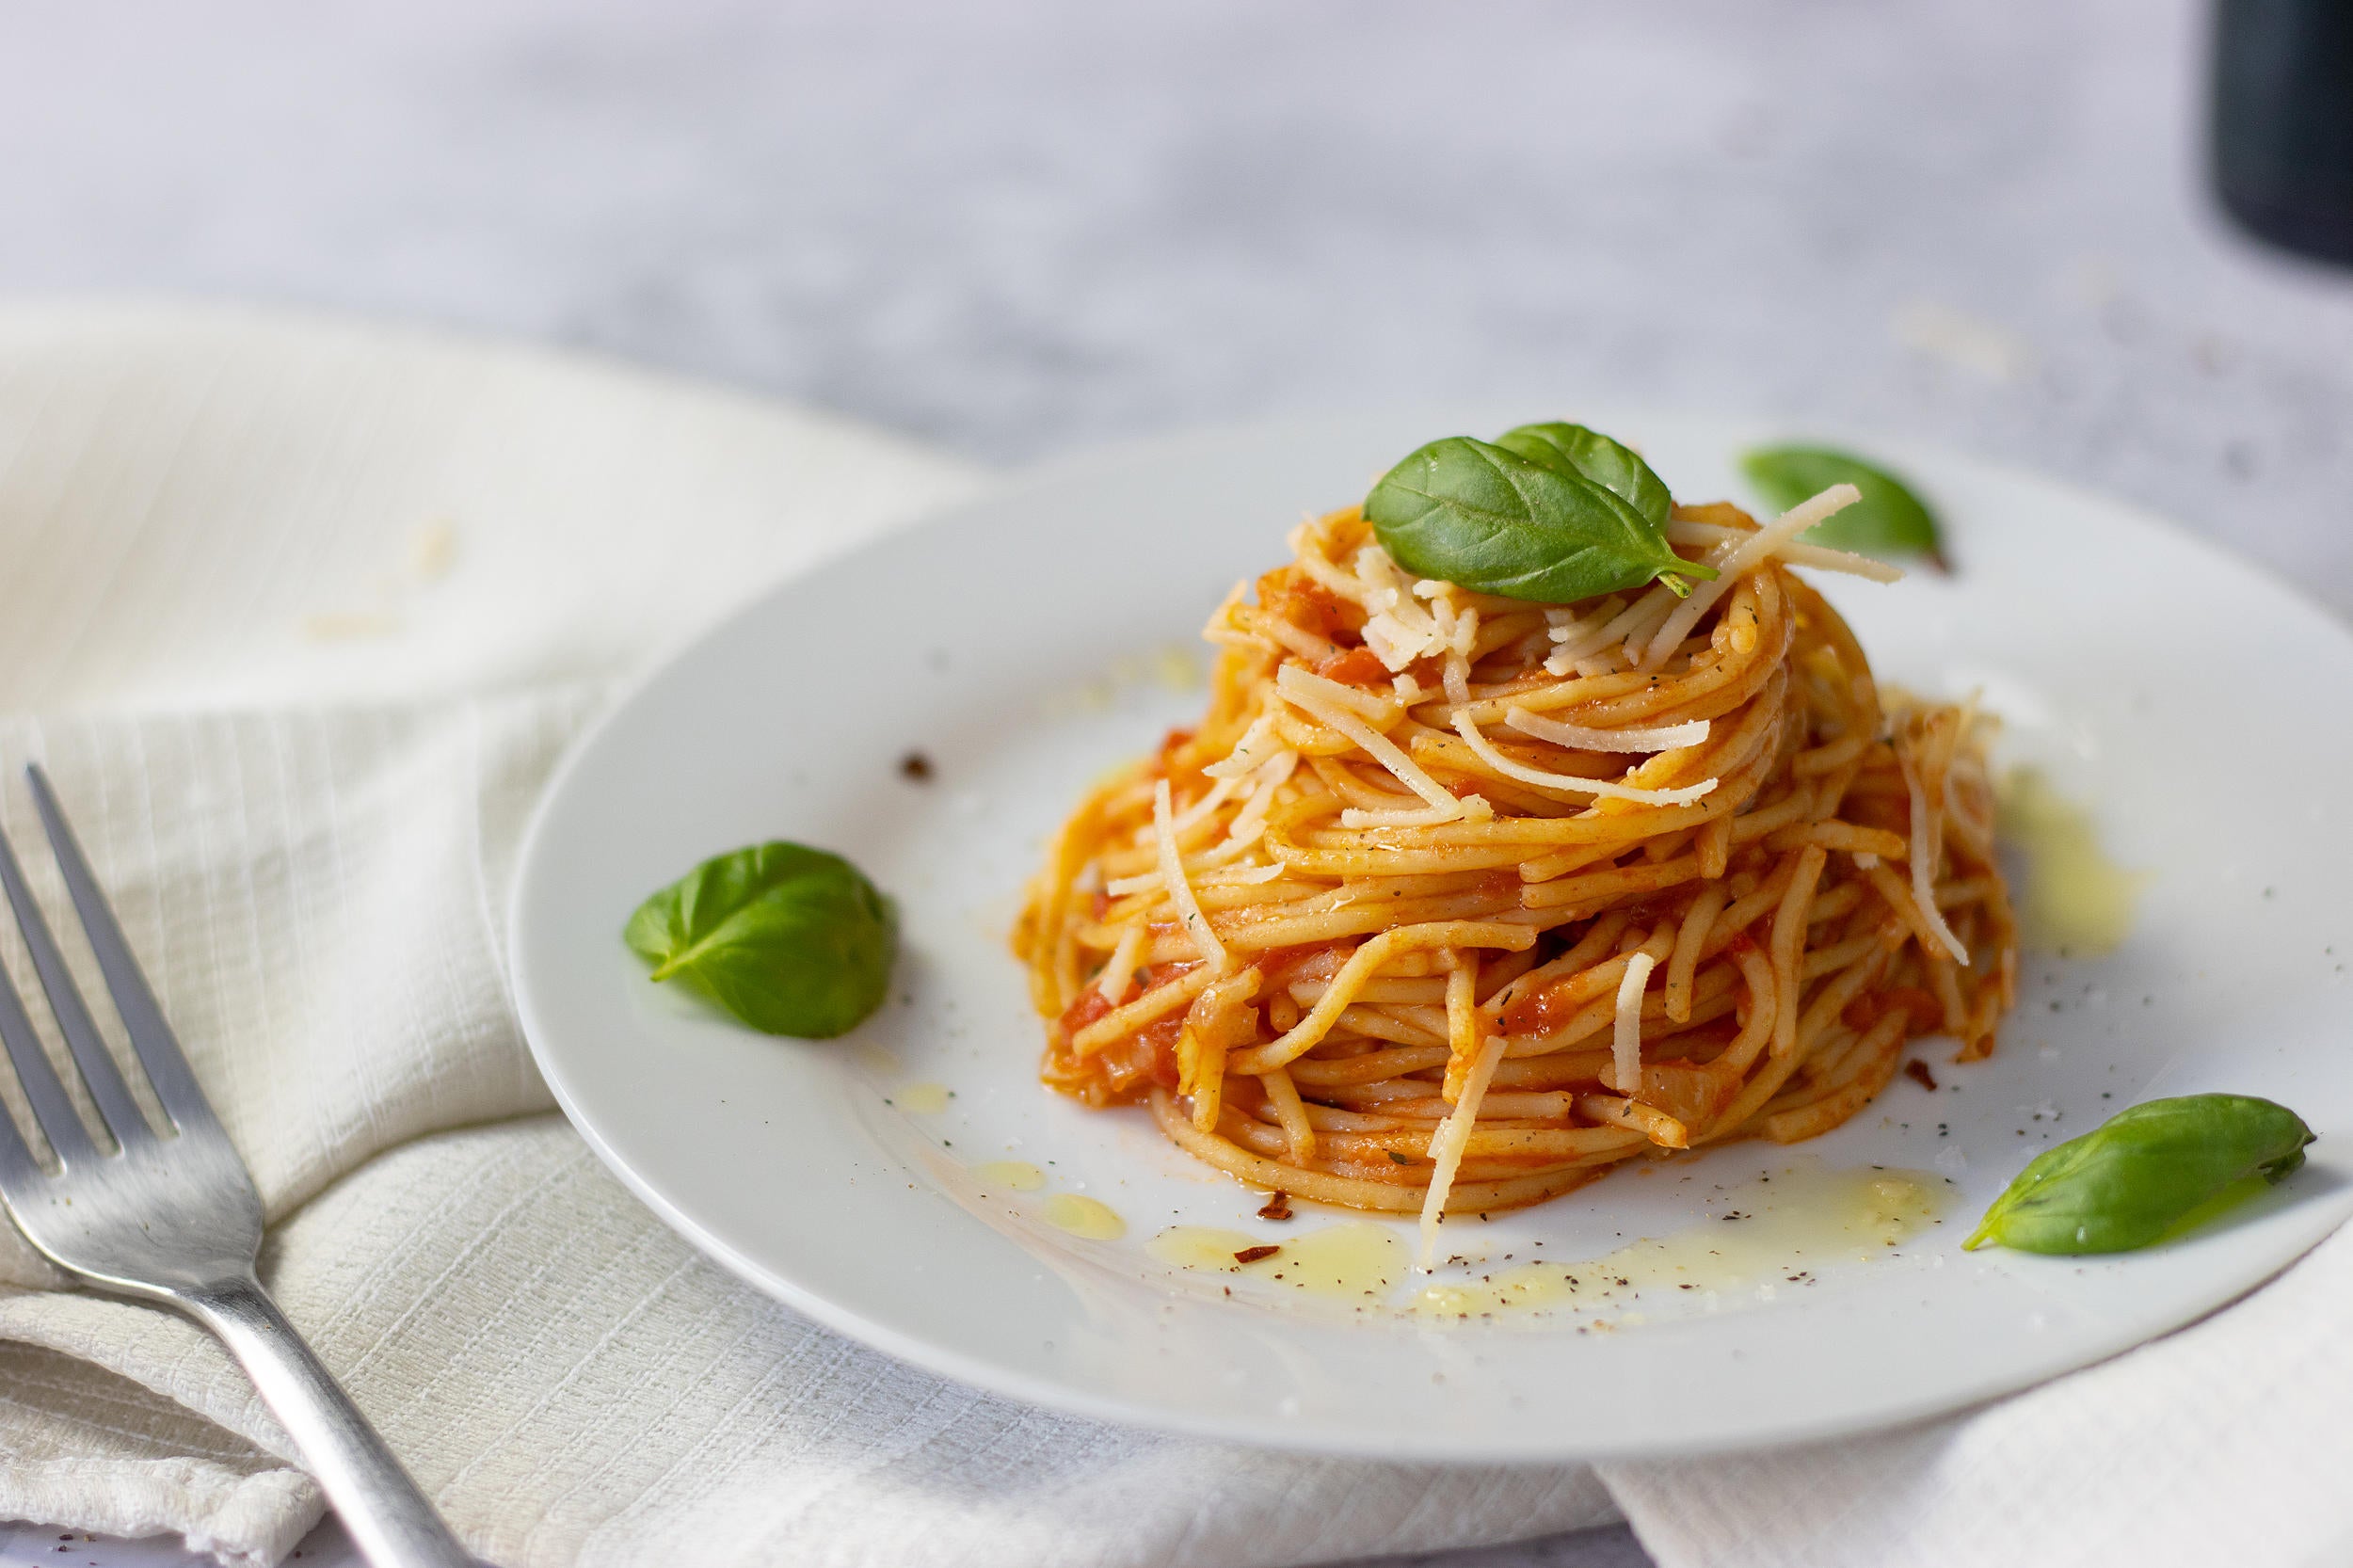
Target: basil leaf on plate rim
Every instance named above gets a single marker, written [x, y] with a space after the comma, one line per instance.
[791, 941]
[2137, 1176]
[1889, 520]
[1550, 513]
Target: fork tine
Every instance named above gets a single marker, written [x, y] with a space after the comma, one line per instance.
[18, 1170]
[52, 1110]
[115, 1104]
[158, 1049]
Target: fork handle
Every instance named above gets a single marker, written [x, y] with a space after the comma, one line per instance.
[382, 1508]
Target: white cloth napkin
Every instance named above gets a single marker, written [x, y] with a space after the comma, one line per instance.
[304, 615]
[2228, 1442]
[300, 616]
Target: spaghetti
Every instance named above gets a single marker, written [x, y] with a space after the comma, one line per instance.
[1453, 902]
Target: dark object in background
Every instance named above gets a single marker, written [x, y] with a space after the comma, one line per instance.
[2283, 121]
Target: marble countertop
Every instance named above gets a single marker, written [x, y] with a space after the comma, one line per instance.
[1026, 227]
[1020, 229]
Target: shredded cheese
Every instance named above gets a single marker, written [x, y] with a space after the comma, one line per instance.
[1795, 553]
[1597, 634]
[1462, 1023]
[1453, 1137]
[1219, 792]
[1121, 968]
[1392, 644]
[1626, 1053]
[1294, 680]
[1222, 631]
[1459, 629]
[1926, 845]
[1504, 765]
[1655, 608]
[1734, 561]
[1305, 692]
[1250, 822]
[1578, 737]
[1204, 871]
[1473, 808]
[1246, 753]
[1196, 924]
[1398, 630]
[1574, 636]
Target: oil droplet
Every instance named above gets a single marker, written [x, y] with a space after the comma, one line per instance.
[2076, 899]
[1355, 1260]
[1084, 1217]
[1017, 1175]
[1775, 1233]
[877, 1059]
[1348, 1262]
[1177, 667]
[921, 1100]
[1094, 697]
[1200, 1246]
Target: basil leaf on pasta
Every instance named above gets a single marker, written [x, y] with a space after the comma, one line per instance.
[1576, 449]
[1488, 518]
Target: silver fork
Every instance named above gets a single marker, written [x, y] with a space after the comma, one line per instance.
[173, 1217]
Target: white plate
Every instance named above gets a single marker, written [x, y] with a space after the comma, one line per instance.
[1014, 642]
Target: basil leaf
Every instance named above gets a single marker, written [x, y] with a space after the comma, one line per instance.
[1491, 521]
[792, 940]
[2131, 1180]
[1889, 520]
[1576, 449]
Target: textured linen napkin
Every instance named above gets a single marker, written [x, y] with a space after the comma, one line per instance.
[2226, 1443]
[299, 616]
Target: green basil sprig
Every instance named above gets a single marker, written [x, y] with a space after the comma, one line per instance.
[1551, 513]
[2130, 1180]
[789, 939]
[1574, 449]
[1889, 520]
